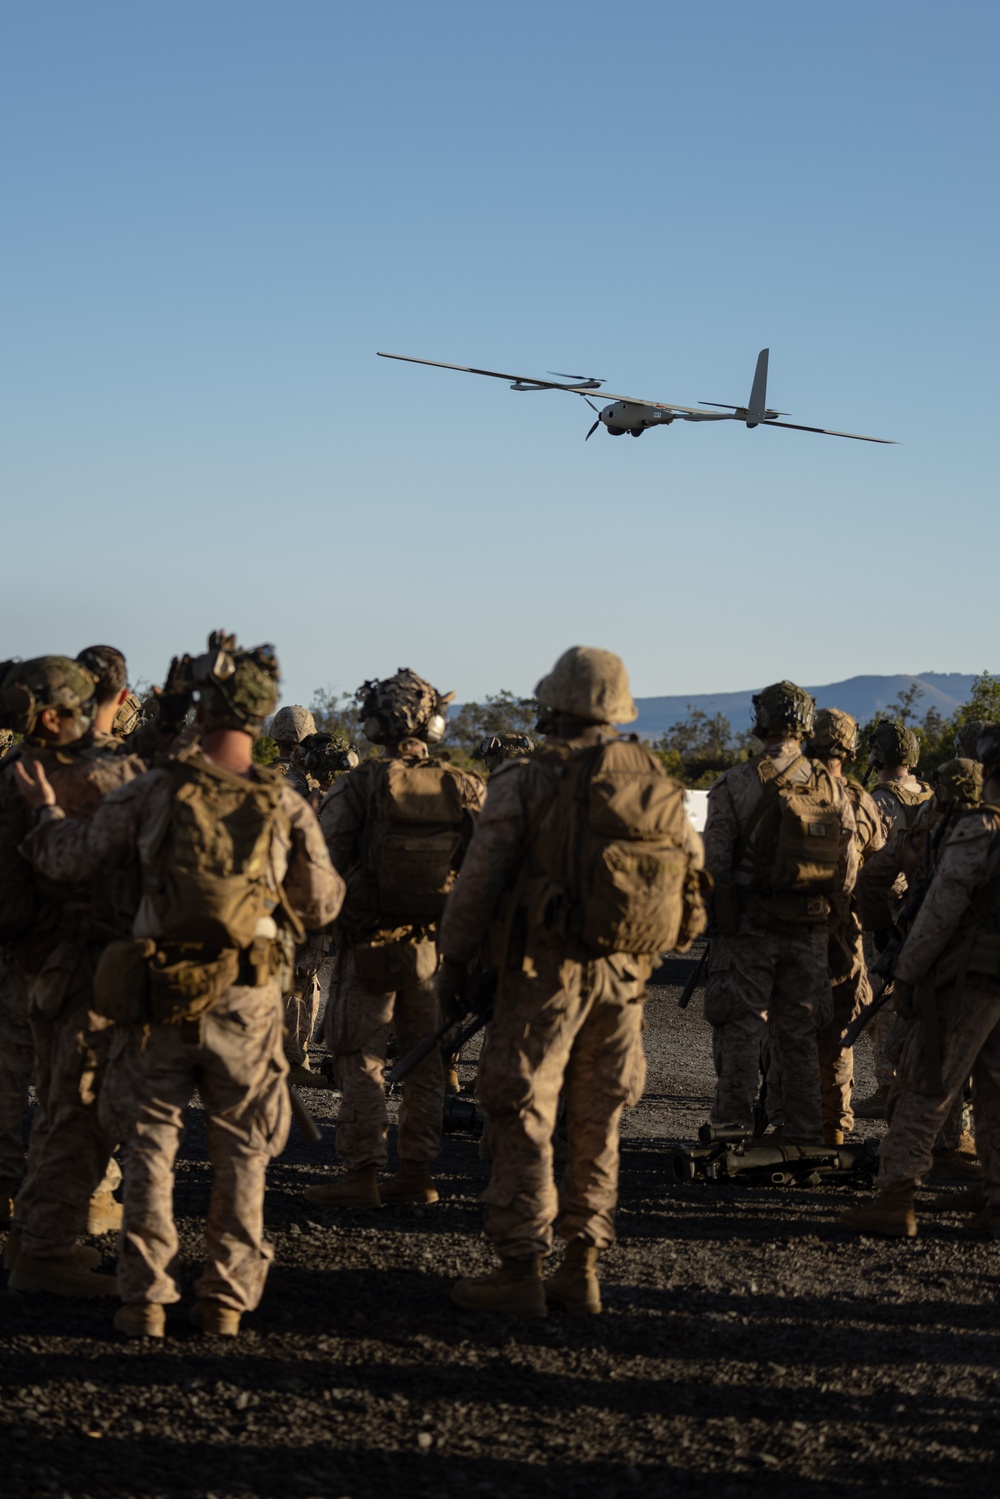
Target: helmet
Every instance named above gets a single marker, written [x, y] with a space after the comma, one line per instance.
[291, 725]
[588, 684]
[46, 682]
[241, 687]
[834, 735]
[958, 781]
[968, 736]
[892, 743]
[988, 750]
[402, 707]
[326, 755]
[6, 740]
[128, 718]
[504, 747]
[783, 707]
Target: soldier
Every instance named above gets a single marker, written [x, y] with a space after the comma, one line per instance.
[573, 954]
[893, 751]
[55, 931]
[967, 737]
[318, 761]
[500, 748]
[232, 862]
[834, 741]
[288, 728]
[947, 977]
[907, 860]
[780, 845]
[397, 827]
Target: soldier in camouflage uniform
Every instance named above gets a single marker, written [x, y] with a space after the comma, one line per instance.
[55, 945]
[398, 860]
[288, 728]
[500, 748]
[947, 978]
[893, 751]
[769, 950]
[225, 1040]
[566, 1014]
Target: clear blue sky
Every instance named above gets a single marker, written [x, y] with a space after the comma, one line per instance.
[216, 212]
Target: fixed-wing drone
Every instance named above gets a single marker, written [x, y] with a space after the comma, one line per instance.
[633, 415]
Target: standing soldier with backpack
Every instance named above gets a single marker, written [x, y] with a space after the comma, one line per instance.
[779, 845]
[231, 866]
[583, 868]
[893, 751]
[398, 827]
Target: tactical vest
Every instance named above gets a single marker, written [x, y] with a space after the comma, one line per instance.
[414, 838]
[907, 798]
[608, 864]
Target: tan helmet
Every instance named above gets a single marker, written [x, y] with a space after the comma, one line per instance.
[588, 684]
[834, 735]
[403, 706]
[783, 708]
[892, 743]
[292, 724]
[959, 780]
[29, 687]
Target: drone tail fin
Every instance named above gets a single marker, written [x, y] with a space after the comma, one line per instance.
[757, 404]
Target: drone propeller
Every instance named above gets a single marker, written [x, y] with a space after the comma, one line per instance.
[597, 423]
[577, 379]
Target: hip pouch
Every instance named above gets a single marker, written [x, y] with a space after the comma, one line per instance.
[139, 983]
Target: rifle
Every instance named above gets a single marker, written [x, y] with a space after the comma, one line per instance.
[692, 982]
[727, 1152]
[886, 960]
[302, 1117]
[451, 1036]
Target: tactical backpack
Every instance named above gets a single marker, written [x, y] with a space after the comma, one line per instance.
[414, 839]
[611, 848]
[799, 831]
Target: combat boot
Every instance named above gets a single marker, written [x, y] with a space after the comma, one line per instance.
[516, 1290]
[833, 1136]
[970, 1200]
[61, 1275]
[452, 1084]
[874, 1106]
[411, 1183]
[890, 1215]
[954, 1166]
[84, 1254]
[104, 1214]
[215, 1319]
[355, 1189]
[141, 1319]
[574, 1286]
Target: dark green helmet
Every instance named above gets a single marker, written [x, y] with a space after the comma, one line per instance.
[967, 737]
[834, 735]
[404, 706]
[326, 756]
[783, 709]
[892, 743]
[29, 687]
[958, 780]
[236, 689]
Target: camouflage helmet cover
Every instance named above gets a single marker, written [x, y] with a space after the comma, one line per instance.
[834, 734]
[892, 743]
[242, 687]
[326, 755]
[128, 717]
[29, 687]
[292, 724]
[783, 707]
[967, 738]
[959, 780]
[403, 706]
[588, 684]
[502, 747]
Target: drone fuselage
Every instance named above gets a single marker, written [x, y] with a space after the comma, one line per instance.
[626, 416]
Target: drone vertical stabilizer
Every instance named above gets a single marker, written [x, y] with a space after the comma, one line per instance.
[758, 392]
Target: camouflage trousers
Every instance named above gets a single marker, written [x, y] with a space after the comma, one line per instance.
[880, 1030]
[570, 1026]
[69, 1153]
[836, 1067]
[759, 978]
[302, 1004]
[238, 1067]
[359, 1021]
[970, 1044]
[951, 1130]
[17, 1059]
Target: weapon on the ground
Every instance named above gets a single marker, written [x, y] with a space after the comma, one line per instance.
[693, 981]
[728, 1152]
[303, 1118]
[451, 1036]
[462, 1116]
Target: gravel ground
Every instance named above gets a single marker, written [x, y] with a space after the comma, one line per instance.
[747, 1347]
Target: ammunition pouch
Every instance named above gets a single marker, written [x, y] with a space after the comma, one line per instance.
[140, 982]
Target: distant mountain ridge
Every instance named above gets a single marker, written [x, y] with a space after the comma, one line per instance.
[860, 696]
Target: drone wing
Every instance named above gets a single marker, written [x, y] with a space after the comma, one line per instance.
[524, 382]
[829, 432]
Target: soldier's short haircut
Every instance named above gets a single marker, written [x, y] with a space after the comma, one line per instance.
[108, 666]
